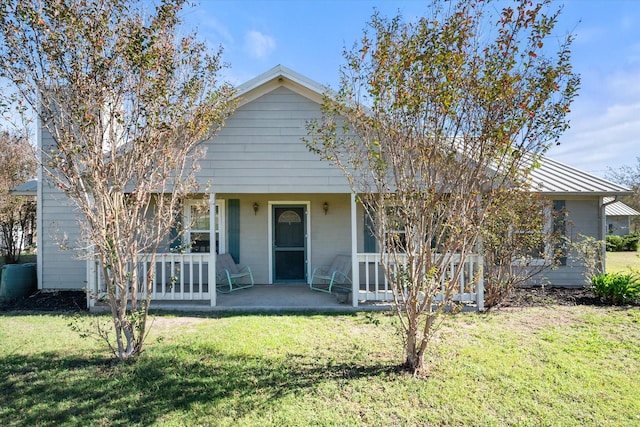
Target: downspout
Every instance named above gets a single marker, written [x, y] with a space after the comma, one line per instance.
[603, 230]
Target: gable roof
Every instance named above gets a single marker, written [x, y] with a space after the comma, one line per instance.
[551, 178]
[618, 208]
[29, 188]
[276, 77]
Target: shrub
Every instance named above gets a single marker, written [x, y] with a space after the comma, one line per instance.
[630, 242]
[614, 243]
[616, 288]
[587, 252]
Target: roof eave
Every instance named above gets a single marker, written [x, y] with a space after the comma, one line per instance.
[585, 193]
[279, 76]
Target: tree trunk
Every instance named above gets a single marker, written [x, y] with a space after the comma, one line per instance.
[414, 362]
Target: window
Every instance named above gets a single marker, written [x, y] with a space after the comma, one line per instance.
[543, 240]
[197, 237]
[395, 234]
[529, 237]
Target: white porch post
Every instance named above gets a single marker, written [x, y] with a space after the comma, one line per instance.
[480, 284]
[212, 249]
[355, 266]
[92, 286]
[480, 260]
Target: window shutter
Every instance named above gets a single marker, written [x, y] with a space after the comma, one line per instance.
[560, 229]
[174, 234]
[233, 224]
[369, 235]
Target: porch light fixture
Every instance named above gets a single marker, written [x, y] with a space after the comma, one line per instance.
[255, 208]
[325, 206]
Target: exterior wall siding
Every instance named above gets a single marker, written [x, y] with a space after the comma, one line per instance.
[583, 218]
[260, 150]
[60, 266]
[618, 225]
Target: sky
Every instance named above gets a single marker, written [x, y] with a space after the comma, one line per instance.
[309, 36]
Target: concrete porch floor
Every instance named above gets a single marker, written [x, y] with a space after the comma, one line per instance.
[288, 297]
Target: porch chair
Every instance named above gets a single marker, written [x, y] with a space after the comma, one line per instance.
[336, 275]
[228, 274]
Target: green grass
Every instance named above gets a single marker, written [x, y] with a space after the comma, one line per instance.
[619, 262]
[538, 366]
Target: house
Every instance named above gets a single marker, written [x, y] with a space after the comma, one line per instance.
[282, 210]
[618, 216]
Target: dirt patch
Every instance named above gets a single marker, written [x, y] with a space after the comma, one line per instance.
[165, 322]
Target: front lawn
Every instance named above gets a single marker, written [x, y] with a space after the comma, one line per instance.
[622, 262]
[554, 365]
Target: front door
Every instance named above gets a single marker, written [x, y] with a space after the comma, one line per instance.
[289, 244]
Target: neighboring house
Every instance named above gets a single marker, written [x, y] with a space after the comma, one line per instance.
[618, 216]
[27, 189]
[282, 210]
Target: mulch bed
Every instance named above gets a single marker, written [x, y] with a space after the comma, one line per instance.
[76, 301]
[544, 296]
[58, 301]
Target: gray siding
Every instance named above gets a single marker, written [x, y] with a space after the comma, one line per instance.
[330, 233]
[260, 150]
[618, 225]
[59, 237]
[583, 218]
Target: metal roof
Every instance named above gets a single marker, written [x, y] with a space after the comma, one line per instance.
[29, 188]
[618, 208]
[553, 177]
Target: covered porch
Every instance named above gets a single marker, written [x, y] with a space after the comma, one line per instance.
[182, 283]
[188, 281]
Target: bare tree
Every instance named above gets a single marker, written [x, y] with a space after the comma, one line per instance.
[629, 176]
[523, 235]
[126, 101]
[17, 213]
[430, 119]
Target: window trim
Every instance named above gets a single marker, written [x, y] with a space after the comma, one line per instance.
[220, 223]
[547, 230]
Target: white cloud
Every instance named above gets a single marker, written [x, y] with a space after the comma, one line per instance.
[213, 26]
[601, 139]
[208, 27]
[259, 45]
[624, 85]
[586, 35]
[633, 55]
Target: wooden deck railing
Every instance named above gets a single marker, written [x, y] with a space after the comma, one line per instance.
[374, 285]
[178, 277]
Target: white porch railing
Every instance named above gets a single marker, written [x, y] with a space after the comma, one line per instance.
[178, 277]
[374, 286]
[187, 277]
